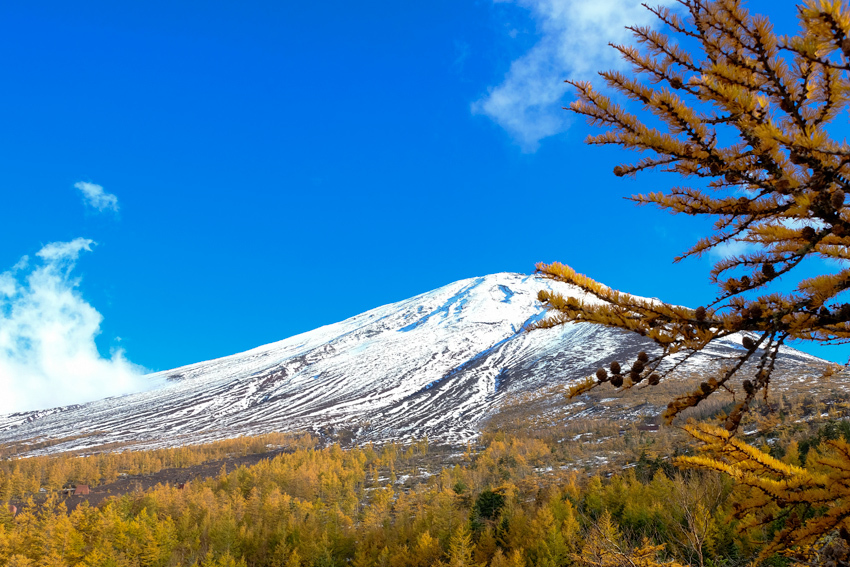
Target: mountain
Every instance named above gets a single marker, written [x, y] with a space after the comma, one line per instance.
[437, 365]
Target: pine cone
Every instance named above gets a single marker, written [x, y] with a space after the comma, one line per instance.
[602, 375]
[615, 367]
[617, 381]
[748, 343]
[654, 380]
[734, 417]
[808, 233]
[699, 314]
[837, 199]
[643, 357]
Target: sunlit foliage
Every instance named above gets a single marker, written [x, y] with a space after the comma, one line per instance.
[744, 115]
[508, 503]
[20, 477]
[806, 507]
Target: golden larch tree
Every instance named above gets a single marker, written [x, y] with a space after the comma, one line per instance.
[745, 115]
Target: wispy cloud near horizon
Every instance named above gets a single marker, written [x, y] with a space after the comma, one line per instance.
[48, 355]
[95, 197]
[573, 45]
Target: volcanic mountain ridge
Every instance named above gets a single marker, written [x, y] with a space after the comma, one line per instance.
[438, 365]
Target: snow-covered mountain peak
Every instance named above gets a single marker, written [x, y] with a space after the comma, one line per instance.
[435, 364]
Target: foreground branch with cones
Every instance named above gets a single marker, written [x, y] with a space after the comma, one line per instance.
[777, 185]
[745, 117]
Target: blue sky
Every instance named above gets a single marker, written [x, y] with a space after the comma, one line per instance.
[249, 171]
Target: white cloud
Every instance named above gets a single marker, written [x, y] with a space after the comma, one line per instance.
[574, 45]
[738, 247]
[731, 248]
[59, 252]
[96, 197]
[48, 355]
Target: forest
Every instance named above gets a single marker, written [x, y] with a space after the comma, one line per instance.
[508, 499]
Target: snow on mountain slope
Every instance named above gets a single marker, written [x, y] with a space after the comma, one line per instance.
[435, 365]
